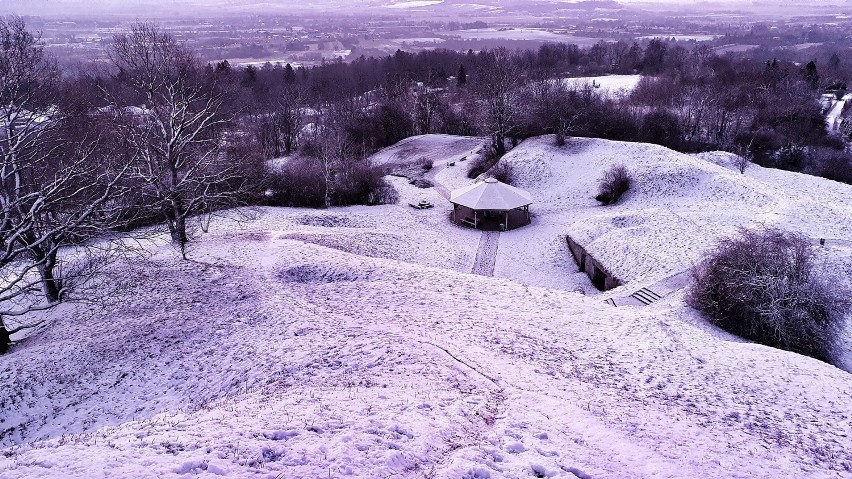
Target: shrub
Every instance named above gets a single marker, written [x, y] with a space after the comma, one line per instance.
[302, 184]
[791, 158]
[426, 165]
[383, 194]
[832, 164]
[761, 145]
[763, 286]
[614, 183]
[502, 172]
[358, 185]
[488, 159]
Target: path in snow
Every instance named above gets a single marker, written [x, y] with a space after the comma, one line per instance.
[837, 243]
[487, 254]
[438, 186]
[653, 293]
[832, 119]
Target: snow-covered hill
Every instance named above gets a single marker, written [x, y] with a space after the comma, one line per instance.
[678, 206]
[353, 342]
[418, 149]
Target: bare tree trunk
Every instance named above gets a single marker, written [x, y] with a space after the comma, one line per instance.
[5, 339]
[276, 137]
[289, 141]
[177, 230]
[498, 141]
[50, 284]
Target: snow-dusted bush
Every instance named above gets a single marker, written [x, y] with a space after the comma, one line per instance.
[502, 172]
[832, 164]
[383, 194]
[764, 286]
[301, 183]
[614, 183]
[304, 183]
[791, 157]
[489, 158]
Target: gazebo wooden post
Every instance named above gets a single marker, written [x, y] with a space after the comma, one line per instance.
[474, 219]
[527, 209]
[454, 212]
[506, 223]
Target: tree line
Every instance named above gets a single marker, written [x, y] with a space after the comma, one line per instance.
[690, 99]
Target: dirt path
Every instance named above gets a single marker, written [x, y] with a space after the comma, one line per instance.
[487, 253]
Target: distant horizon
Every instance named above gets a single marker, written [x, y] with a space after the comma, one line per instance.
[156, 9]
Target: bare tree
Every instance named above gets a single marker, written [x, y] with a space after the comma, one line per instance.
[176, 135]
[290, 103]
[498, 87]
[57, 189]
[427, 103]
[277, 124]
[744, 156]
[548, 108]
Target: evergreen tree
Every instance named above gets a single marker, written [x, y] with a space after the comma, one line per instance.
[810, 74]
[289, 75]
[834, 61]
[461, 79]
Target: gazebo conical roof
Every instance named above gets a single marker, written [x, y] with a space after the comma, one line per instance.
[491, 195]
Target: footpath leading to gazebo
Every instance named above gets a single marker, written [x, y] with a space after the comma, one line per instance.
[486, 255]
[489, 241]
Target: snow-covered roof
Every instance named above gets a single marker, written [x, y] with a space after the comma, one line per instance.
[491, 195]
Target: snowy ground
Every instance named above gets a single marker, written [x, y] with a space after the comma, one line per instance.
[437, 149]
[353, 342]
[678, 207]
[606, 85]
[537, 34]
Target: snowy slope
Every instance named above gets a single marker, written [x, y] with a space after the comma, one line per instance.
[269, 357]
[352, 342]
[436, 148]
[678, 207]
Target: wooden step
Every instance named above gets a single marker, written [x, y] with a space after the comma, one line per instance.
[610, 302]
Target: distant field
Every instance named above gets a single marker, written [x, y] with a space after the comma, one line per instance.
[415, 4]
[534, 34]
[733, 48]
[681, 37]
[607, 85]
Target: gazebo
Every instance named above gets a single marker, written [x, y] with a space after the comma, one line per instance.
[491, 205]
